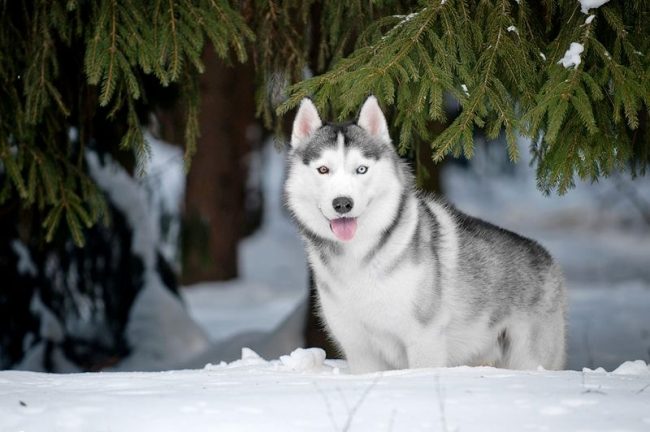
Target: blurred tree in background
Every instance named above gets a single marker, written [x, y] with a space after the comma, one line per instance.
[80, 78]
[96, 67]
[78, 75]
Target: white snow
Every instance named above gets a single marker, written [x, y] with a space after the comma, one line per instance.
[543, 56]
[464, 87]
[51, 332]
[25, 264]
[132, 201]
[252, 394]
[589, 19]
[513, 29]
[410, 16]
[403, 19]
[572, 55]
[159, 330]
[164, 171]
[637, 367]
[591, 4]
[73, 134]
[163, 180]
[304, 360]
[50, 327]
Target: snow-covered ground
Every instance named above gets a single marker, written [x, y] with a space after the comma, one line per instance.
[300, 392]
[598, 237]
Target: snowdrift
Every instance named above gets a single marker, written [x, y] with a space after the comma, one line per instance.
[303, 391]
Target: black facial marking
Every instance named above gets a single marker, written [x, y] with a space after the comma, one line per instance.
[353, 137]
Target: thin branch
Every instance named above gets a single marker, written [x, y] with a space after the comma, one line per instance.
[441, 405]
[328, 405]
[356, 406]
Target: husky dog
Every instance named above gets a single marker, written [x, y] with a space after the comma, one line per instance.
[404, 280]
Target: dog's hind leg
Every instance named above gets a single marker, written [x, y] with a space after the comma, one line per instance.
[518, 348]
[533, 344]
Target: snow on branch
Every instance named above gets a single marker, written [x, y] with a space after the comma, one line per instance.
[591, 4]
[572, 55]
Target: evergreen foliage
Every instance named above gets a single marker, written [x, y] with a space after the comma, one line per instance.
[296, 39]
[72, 70]
[499, 60]
[78, 73]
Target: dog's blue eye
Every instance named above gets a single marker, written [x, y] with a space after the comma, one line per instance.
[323, 169]
[362, 169]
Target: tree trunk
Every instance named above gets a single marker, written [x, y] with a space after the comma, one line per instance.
[427, 172]
[215, 191]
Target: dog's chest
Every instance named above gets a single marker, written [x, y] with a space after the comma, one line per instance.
[364, 293]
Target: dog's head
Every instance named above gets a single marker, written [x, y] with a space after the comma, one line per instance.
[344, 180]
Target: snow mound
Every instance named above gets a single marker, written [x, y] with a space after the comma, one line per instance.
[599, 370]
[249, 358]
[300, 360]
[637, 367]
[160, 330]
[304, 360]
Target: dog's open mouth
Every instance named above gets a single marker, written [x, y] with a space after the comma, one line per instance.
[344, 228]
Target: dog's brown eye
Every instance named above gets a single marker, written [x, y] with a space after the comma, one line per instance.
[323, 170]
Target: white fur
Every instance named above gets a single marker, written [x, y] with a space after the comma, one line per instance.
[369, 310]
[372, 119]
[306, 122]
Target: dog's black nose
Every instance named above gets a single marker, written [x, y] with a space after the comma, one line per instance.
[342, 204]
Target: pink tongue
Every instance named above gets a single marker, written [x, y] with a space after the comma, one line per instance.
[344, 228]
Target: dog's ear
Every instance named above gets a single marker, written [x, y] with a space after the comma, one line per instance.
[372, 119]
[306, 122]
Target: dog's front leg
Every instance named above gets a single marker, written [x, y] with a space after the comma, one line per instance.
[428, 354]
[364, 359]
[361, 355]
